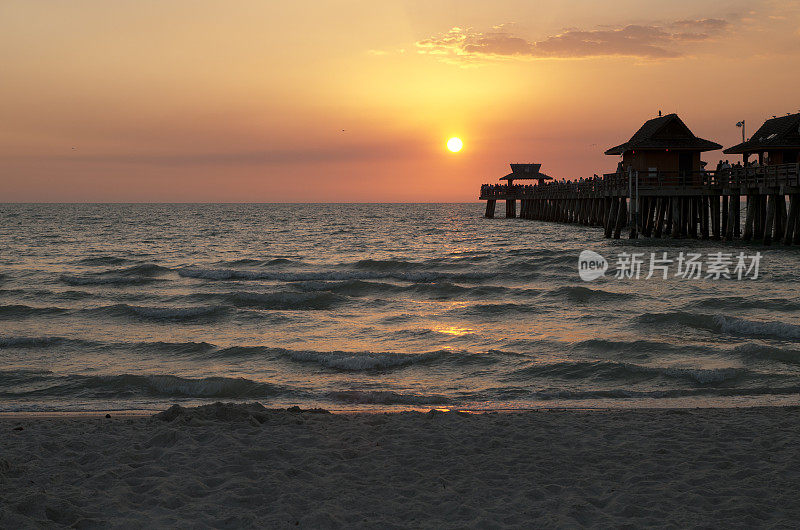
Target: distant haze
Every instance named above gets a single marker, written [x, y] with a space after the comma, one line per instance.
[342, 101]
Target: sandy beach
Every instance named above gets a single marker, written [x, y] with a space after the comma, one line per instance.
[226, 466]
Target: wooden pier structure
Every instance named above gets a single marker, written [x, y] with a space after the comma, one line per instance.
[661, 189]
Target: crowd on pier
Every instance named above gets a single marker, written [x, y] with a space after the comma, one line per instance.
[723, 172]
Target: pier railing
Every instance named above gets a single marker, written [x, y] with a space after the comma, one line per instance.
[657, 182]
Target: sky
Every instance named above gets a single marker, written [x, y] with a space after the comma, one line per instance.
[354, 101]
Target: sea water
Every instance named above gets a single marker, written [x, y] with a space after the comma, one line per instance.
[374, 306]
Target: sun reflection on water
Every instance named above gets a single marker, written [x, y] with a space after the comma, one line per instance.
[453, 330]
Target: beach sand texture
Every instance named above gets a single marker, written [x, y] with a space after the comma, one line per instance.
[242, 466]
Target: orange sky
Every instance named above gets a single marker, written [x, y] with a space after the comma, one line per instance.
[342, 101]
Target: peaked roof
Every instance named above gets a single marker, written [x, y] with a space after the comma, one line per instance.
[776, 133]
[526, 172]
[665, 132]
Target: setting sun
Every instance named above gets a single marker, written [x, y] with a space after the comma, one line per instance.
[455, 144]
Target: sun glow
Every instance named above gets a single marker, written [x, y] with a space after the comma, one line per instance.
[455, 144]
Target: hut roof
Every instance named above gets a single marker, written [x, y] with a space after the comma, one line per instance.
[665, 132]
[776, 133]
[526, 172]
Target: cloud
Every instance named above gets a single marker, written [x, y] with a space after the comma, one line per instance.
[654, 41]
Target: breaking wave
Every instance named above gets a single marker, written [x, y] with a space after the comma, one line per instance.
[627, 372]
[280, 301]
[386, 397]
[577, 293]
[236, 274]
[160, 313]
[13, 311]
[757, 328]
[724, 324]
[76, 281]
[127, 385]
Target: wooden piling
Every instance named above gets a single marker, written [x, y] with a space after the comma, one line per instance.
[658, 223]
[780, 217]
[622, 216]
[676, 217]
[611, 217]
[511, 208]
[490, 208]
[796, 237]
[791, 219]
[725, 204]
[749, 222]
[769, 219]
[668, 201]
[715, 234]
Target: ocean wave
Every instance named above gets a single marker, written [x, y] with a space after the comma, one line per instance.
[758, 328]
[628, 372]
[438, 289]
[189, 347]
[724, 324]
[495, 309]
[772, 353]
[578, 293]
[438, 334]
[386, 397]
[349, 287]
[23, 311]
[359, 361]
[77, 280]
[626, 393]
[387, 265]
[253, 262]
[278, 301]
[742, 302]
[637, 346]
[680, 319]
[43, 342]
[145, 269]
[160, 313]
[128, 385]
[103, 260]
[448, 290]
[367, 361]
[300, 276]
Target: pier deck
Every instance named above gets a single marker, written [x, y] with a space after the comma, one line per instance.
[704, 204]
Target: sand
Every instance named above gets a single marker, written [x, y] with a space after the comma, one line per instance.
[233, 466]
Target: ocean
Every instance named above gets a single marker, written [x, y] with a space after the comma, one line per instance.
[374, 307]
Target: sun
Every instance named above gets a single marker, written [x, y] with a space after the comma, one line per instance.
[455, 144]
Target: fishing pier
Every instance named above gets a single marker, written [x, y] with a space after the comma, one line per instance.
[661, 189]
